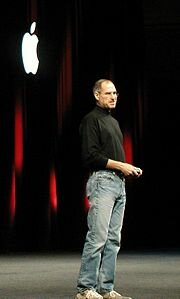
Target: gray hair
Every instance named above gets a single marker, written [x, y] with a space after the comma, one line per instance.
[98, 83]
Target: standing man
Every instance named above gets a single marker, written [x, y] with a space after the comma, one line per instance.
[103, 156]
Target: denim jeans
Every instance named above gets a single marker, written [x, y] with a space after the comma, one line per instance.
[107, 198]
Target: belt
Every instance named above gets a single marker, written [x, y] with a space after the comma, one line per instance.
[118, 173]
[114, 172]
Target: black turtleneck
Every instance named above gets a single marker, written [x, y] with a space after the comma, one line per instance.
[101, 139]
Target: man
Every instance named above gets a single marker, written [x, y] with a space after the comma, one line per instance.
[103, 156]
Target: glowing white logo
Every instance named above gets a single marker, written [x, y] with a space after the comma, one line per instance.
[29, 50]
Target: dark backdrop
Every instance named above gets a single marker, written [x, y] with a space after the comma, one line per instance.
[136, 45]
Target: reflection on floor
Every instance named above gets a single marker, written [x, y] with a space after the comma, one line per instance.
[141, 275]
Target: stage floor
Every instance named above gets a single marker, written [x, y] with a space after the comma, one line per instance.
[141, 275]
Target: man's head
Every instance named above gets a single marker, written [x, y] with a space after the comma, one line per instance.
[105, 93]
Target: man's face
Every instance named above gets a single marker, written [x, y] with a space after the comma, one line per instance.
[107, 97]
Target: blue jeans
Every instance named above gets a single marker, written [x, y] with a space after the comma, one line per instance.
[107, 198]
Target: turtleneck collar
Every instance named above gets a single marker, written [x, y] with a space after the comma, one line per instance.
[103, 110]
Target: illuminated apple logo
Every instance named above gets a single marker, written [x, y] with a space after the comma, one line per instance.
[29, 51]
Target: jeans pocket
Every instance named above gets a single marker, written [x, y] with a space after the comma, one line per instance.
[90, 185]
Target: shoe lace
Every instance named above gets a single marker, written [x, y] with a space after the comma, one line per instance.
[113, 294]
[91, 294]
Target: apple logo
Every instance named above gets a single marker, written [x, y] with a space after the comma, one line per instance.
[29, 51]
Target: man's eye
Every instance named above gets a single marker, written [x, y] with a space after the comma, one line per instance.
[109, 93]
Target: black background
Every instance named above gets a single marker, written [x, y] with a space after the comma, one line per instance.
[141, 43]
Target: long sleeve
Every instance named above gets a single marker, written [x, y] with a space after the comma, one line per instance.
[101, 139]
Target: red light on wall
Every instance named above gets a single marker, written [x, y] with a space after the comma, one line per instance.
[18, 138]
[86, 203]
[128, 147]
[12, 205]
[53, 191]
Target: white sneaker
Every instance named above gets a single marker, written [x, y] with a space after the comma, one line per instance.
[88, 294]
[114, 295]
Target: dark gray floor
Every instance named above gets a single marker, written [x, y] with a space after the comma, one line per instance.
[142, 275]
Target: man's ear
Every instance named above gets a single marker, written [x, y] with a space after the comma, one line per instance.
[96, 96]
